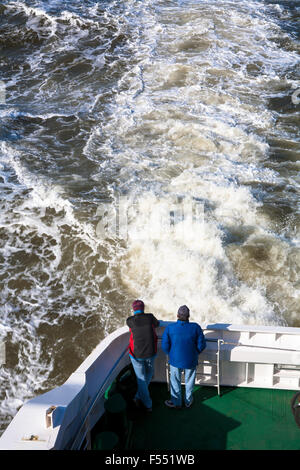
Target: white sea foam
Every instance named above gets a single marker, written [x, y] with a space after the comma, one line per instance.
[203, 129]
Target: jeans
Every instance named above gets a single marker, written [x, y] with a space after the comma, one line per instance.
[144, 369]
[175, 384]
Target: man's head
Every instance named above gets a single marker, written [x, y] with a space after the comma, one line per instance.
[183, 313]
[138, 306]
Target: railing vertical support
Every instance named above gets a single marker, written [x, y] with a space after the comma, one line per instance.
[88, 435]
[220, 341]
[168, 373]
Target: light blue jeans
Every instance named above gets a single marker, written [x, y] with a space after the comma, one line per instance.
[175, 384]
[144, 369]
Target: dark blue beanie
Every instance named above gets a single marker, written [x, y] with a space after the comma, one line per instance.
[183, 313]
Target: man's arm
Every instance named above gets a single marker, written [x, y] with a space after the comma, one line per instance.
[201, 342]
[165, 341]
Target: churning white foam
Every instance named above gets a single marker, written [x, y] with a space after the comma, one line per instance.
[195, 109]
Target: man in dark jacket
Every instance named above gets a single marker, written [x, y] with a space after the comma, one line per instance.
[142, 350]
[183, 342]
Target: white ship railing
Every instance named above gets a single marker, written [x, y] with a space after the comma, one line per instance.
[81, 435]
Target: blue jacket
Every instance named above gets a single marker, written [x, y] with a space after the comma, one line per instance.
[183, 341]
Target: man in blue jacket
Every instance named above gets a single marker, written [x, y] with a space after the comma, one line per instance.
[183, 342]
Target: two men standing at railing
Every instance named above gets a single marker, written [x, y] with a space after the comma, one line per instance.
[183, 341]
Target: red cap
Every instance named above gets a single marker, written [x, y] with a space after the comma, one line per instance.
[138, 305]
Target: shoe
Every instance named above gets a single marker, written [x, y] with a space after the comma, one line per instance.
[170, 404]
[188, 405]
[137, 402]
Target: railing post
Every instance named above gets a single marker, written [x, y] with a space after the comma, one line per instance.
[88, 434]
[220, 341]
[168, 373]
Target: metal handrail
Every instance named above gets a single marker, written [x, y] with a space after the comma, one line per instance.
[251, 345]
[215, 340]
[220, 341]
[91, 407]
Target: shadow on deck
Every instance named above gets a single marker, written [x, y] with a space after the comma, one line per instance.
[198, 427]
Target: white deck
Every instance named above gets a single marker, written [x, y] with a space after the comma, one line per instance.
[250, 356]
